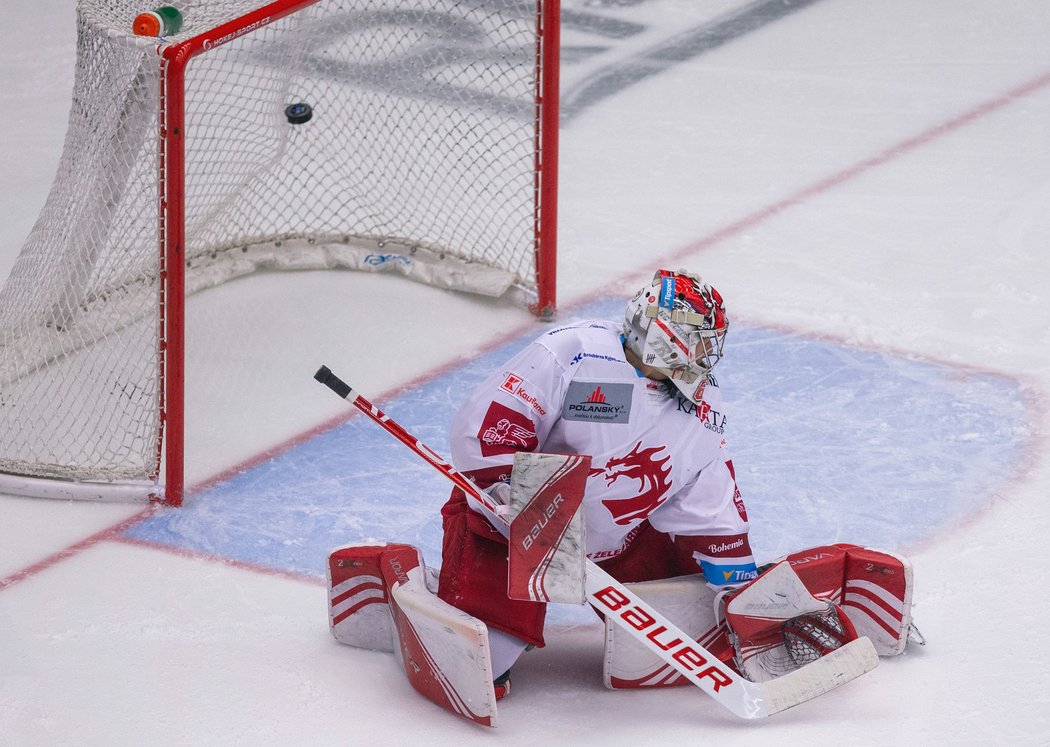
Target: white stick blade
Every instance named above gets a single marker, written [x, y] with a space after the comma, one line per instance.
[816, 678]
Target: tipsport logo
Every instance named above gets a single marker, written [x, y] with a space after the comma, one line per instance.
[667, 293]
[598, 402]
[725, 573]
[738, 574]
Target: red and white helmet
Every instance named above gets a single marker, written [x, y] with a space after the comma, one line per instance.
[677, 324]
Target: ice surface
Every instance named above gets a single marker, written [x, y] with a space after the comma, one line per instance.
[867, 185]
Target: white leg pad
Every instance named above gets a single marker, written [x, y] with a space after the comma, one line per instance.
[688, 602]
[444, 651]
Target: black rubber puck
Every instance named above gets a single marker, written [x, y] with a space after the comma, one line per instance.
[298, 113]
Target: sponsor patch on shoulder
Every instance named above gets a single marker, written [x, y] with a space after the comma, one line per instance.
[504, 431]
[515, 385]
[598, 402]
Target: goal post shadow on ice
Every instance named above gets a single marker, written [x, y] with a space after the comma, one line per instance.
[832, 444]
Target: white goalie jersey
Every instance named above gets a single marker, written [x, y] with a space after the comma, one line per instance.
[655, 455]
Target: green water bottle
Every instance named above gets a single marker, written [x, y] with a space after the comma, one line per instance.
[162, 21]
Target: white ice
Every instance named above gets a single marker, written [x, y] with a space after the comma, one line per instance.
[875, 174]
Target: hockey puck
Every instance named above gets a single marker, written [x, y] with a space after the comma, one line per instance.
[298, 113]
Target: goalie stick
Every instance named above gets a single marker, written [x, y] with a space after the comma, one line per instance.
[625, 608]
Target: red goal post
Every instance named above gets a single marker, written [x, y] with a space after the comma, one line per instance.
[431, 151]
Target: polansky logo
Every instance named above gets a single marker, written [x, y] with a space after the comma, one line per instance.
[598, 402]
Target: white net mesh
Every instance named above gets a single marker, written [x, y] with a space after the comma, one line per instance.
[420, 156]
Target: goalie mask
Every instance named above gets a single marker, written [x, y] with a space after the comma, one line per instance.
[677, 325]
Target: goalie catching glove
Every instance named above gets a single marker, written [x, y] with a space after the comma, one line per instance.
[800, 609]
[814, 602]
[776, 625]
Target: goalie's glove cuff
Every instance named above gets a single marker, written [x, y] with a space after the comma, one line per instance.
[722, 598]
[500, 494]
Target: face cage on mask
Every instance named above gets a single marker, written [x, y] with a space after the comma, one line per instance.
[668, 350]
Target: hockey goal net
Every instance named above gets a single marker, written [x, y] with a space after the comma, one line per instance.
[418, 136]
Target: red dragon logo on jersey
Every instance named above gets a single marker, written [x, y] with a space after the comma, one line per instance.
[652, 475]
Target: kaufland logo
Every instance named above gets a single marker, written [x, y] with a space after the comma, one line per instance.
[515, 385]
[511, 383]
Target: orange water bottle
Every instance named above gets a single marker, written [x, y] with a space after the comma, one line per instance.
[162, 21]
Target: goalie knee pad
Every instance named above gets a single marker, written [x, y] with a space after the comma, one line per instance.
[358, 598]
